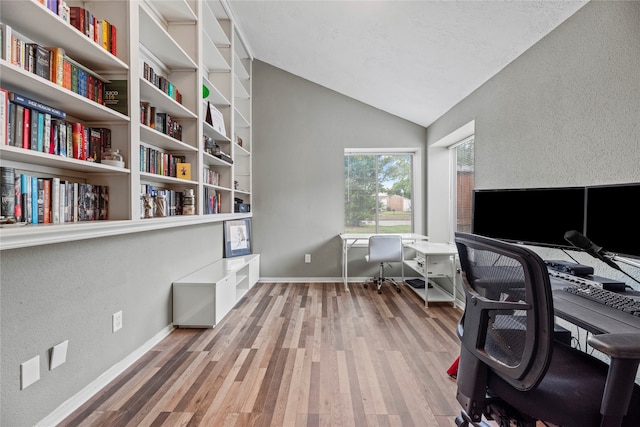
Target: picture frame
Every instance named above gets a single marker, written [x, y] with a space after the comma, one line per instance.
[237, 237]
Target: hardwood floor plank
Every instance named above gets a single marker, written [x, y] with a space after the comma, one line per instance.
[292, 354]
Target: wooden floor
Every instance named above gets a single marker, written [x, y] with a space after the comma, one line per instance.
[295, 355]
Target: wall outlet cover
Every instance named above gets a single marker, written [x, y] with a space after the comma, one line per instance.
[29, 372]
[58, 354]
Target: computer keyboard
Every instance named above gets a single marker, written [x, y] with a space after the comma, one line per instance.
[608, 298]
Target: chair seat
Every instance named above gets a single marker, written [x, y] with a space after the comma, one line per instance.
[557, 399]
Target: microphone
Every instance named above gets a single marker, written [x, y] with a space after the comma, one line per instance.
[581, 242]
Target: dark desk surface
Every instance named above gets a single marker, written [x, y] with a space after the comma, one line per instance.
[590, 315]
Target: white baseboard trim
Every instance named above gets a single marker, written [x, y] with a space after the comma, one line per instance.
[73, 403]
[318, 279]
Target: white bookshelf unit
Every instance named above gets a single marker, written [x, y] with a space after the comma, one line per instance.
[202, 298]
[194, 45]
[434, 261]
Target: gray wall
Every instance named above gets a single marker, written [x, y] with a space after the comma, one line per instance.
[69, 291]
[565, 113]
[300, 131]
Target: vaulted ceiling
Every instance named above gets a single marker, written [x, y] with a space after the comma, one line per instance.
[413, 59]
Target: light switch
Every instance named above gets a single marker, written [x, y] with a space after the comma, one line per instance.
[29, 372]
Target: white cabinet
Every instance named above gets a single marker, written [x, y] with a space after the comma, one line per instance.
[202, 298]
[434, 261]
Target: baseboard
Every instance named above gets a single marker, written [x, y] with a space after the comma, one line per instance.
[73, 403]
[317, 279]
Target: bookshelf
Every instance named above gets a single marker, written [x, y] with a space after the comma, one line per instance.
[193, 45]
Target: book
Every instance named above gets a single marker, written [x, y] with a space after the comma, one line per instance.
[40, 137]
[26, 129]
[47, 201]
[19, 117]
[57, 65]
[183, 171]
[42, 62]
[17, 199]
[11, 124]
[34, 130]
[34, 200]
[116, 97]
[25, 197]
[55, 200]
[76, 17]
[35, 105]
[7, 184]
[4, 117]
[46, 133]
[40, 200]
[5, 29]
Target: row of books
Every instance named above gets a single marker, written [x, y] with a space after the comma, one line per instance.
[161, 83]
[31, 125]
[102, 32]
[211, 177]
[151, 207]
[213, 200]
[162, 122]
[158, 162]
[51, 64]
[51, 200]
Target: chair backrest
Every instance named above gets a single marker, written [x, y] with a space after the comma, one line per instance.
[385, 248]
[507, 326]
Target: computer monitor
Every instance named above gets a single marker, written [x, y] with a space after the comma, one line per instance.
[536, 216]
[613, 218]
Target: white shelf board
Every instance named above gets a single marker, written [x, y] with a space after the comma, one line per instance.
[240, 91]
[56, 96]
[211, 132]
[158, 139]
[210, 160]
[146, 177]
[212, 27]
[213, 59]
[174, 10]
[163, 102]
[239, 69]
[157, 40]
[215, 96]
[241, 121]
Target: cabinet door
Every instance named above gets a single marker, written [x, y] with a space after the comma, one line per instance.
[254, 271]
[194, 305]
[225, 296]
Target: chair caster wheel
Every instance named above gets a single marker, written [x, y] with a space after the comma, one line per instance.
[380, 291]
[366, 286]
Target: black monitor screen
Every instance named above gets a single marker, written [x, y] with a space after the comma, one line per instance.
[538, 216]
[613, 218]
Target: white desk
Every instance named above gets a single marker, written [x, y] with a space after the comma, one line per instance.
[362, 240]
[434, 260]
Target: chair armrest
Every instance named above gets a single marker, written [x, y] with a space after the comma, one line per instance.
[617, 346]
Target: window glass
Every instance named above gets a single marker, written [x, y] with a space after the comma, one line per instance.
[378, 193]
[464, 185]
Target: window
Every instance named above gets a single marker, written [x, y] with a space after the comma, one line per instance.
[462, 209]
[379, 192]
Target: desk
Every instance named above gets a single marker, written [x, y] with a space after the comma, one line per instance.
[590, 315]
[362, 240]
[434, 260]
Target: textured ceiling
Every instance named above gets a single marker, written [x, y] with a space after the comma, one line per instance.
[413, 59]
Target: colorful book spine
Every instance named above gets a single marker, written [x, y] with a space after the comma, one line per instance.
[35, 105]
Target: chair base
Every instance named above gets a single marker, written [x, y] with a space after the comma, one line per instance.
[378, 282]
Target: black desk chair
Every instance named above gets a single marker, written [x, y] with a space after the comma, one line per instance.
[511, 369]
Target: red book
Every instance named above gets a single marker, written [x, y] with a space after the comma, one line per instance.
[113, 40]
[26, 129]
[76, 15]
[47, 201]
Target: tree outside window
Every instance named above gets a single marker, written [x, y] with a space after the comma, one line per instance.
[378, 193]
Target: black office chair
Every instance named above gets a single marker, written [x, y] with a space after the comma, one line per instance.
[385, 248]
[512, 370]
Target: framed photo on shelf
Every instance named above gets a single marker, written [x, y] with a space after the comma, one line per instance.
[237, 237]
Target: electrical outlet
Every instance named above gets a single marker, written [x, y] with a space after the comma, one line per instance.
[117, 321]
[307, 258]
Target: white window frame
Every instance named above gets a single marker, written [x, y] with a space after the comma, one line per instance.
[417, 216]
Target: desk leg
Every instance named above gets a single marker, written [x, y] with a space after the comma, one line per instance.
[345, 273]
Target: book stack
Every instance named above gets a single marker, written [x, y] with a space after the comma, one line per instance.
[158, 162]
[162, 122]
[212, 201]
[36, 126]
[161, 83]
[52, 200]
[100, 31]
[51, 63]
[211, 177]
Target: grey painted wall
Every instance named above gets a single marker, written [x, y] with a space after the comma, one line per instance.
[300, 131]
[565, 113]
[69, 291]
